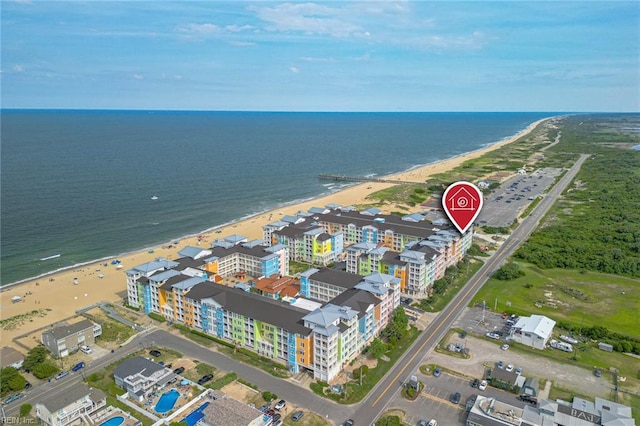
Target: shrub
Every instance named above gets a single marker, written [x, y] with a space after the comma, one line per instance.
[157, 317]
[44, 370]
[25, 409]
[509, 271]
[268, 396]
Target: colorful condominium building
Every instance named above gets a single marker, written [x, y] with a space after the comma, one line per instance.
[410, 247]
[320, 339]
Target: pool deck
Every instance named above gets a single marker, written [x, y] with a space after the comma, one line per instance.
[111, 412]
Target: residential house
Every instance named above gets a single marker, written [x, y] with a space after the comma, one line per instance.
[65, 339]
[222, 410]
[73, 406]
[534, 331]
[10, 357]
[140, 377]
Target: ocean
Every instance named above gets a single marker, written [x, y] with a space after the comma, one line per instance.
[80, 183]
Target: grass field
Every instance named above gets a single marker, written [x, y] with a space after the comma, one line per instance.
[578, 297]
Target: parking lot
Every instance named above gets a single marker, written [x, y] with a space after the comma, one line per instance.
[434, 401]
[503, 205]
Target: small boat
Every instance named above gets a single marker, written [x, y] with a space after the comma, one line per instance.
[154, 198]
[50, 257]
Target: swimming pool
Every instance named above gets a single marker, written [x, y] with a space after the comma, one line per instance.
[113, 421]
[167, 401]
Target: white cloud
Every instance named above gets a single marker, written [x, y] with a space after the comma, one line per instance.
[237, 28]
[138, 76]
[202, 29]
[18, 68]
[316, 59]
[242, 43]
[294, 70]
[309, 18]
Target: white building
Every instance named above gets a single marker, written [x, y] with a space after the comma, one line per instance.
[74, 405]
[534, 331]
[140, 377]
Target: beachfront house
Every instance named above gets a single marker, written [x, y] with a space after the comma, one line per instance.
[10, 357]
[73, 406]
[64, 339]
[140, 377]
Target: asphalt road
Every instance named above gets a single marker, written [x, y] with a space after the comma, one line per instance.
[375, 403]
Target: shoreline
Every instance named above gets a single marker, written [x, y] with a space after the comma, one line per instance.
[153, 245]
[106, 283]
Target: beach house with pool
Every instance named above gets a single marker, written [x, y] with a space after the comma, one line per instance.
[140, 377]
[73, 406]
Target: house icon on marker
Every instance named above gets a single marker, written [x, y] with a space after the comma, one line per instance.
[462, 200]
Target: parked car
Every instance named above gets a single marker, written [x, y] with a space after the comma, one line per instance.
[14, 397]
[475, 383]
[492, 335]
[509, 368]
[422, 422]
[519, 370]
[437, 372]
[597, 372]
[483, 385]
[155, 353]
[62, 374]
[432, 422]
[455, 398]
[348, 423]
[204, 379]
[86, 349]
[297, 415]
[280, 404]
[27, 385]
[264, 408]
[78, 366]
[500, 364]
[504, 347]
[528, 398]
[179, 370]
[276, 417]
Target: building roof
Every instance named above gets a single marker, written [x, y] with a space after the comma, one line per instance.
[59, 400]
[226, 411]
[536, 324]
[336, 277]
[251, 305]
[63, 331]
[150, 267]
[136, 365]
[358, 300]
[9, 356]
[276, 284]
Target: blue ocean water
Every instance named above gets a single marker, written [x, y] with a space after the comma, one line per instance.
[80, 183]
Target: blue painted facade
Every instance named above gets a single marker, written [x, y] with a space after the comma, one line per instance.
[219, 322]
[291, 351]
[270, 266]
[146, 291]
[304, 286]
[337, 245]
[204, 315]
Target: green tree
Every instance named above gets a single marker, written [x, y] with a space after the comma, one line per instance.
[377, 348]
[34, 357]
[10, 380]
[509, 271]
[44, 370]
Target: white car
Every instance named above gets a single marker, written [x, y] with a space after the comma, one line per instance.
[432, 422]
[504, 347]
[483, 385]
[86, 349]
[493, 336]
[509, 368]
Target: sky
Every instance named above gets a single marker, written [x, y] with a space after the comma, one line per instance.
[555, 56]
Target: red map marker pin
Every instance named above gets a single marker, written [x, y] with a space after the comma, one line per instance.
[462, 201]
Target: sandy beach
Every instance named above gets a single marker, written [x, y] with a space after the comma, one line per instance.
[96, 282]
